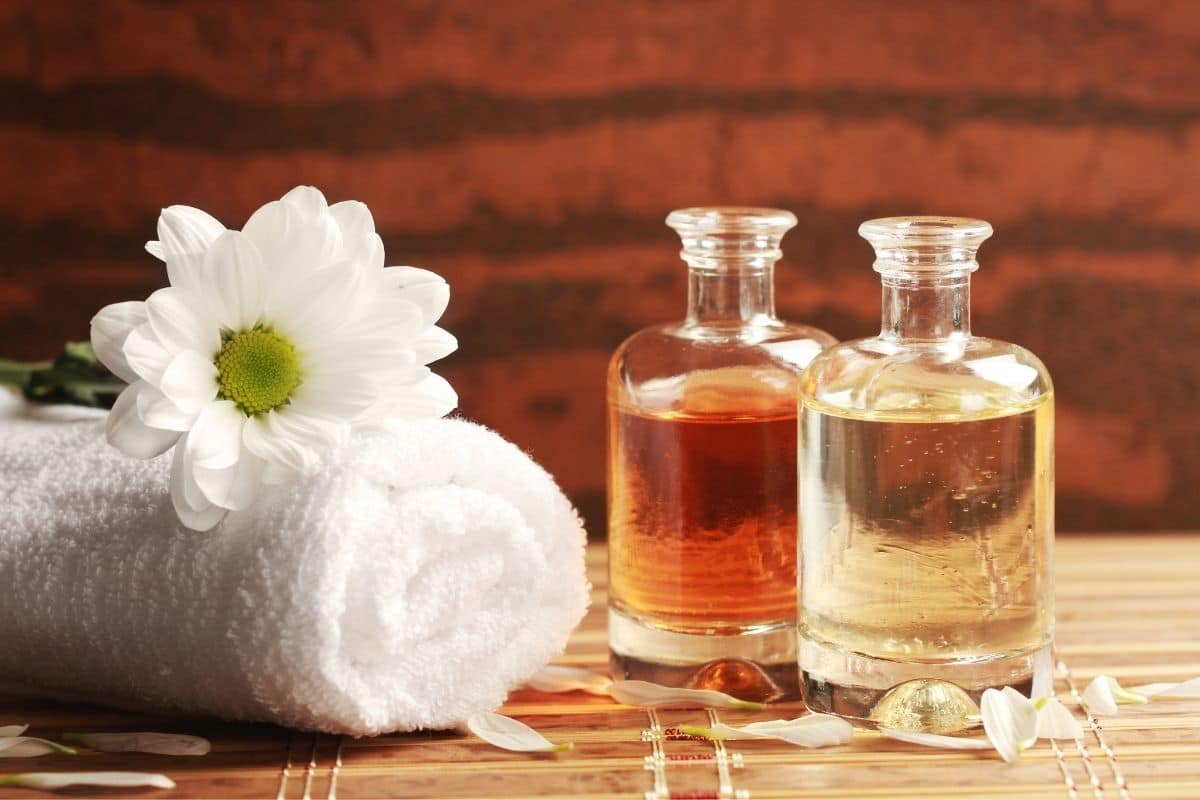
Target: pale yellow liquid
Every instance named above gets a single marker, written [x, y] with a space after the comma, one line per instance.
[927, 537]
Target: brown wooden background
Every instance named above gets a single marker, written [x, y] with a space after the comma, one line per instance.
[529, 150]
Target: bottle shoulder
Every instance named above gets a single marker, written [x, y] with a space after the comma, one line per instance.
[660, 367]
[678, 346]
[971, 376]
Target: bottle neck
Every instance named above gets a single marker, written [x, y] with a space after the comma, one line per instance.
[926, 307]
[741, 296]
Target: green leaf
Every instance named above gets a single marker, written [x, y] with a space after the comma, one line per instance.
[76, 377]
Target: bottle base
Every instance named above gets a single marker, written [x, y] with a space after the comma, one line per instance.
[758, 664]
[933, 697]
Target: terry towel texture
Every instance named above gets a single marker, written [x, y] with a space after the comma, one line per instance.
[412, 582]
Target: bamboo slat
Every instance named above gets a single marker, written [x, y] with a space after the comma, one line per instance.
[1127, 606]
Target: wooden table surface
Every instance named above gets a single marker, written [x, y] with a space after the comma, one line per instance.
[1128, 606]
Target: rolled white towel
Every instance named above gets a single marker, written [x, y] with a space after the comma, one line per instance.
[412, 582]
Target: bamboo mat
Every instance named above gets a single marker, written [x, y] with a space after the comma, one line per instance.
[1127, 607]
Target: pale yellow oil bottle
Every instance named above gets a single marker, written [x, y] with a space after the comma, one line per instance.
[926, 468]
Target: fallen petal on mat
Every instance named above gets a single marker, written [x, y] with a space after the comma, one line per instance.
[1009, 725]
[1055, 721]
[50, 781]
[811, 730]
[1010, 720]
[1156, 691]
[936, 740]
[1043, 675]
[510, 734]
[1104, 693]
[651, 695]
[554, 678]
[167, 744]
[12, 730]
[30, 746]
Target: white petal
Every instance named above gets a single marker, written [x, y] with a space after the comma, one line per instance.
[53, 781]
[110, 328]
[410, 276]
[510, 734]
[341, 397]
[1098, 697]
[358, 230]
[12, 730]
[411, 395]
[183, 481]
[363, 355]
[268, 228]
[936, 740]
[651, 695]
[432, 398]
[126, 431]
[303, 423]
[184, 492]
[553, 678]
[308, 202]
[215, 440]
[190, 381]
[811, 730]
[1056, 722]
[307, 308]
[183, 230]
[1043, 675]
[371, 255]
[427, 289]
[155, 248]
[180, 324]
[157, 411]
[1123, 695]
[265, 437]
[235, 487]
[435, 343]
[1188, 689]
[1010, 721]
[235, 281]
[185, 234]
[167, 744]
[292, 240]
[354, 218]
[192, 507]
[30, 747]
[145, 355]
[390, 318]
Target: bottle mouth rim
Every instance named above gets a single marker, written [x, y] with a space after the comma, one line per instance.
[733, 219]
[925, 230]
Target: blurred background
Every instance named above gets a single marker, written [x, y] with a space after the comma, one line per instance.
[528, 151]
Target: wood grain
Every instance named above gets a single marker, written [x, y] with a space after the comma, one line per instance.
[1126, 608]
[529, 152]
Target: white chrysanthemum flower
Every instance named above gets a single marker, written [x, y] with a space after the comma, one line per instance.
[270, 345]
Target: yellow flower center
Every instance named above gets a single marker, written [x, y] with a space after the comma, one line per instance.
[257, 369]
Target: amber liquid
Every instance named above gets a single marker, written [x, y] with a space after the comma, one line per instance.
[702, 523]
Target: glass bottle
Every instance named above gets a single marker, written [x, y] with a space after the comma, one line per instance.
[702, 471]
[926, 498]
